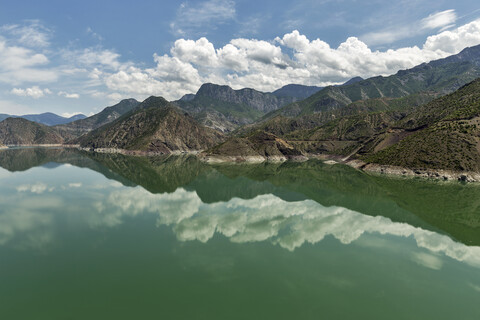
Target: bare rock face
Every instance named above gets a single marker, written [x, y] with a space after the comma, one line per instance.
[155, 126]
[264, 102]
[225, 109]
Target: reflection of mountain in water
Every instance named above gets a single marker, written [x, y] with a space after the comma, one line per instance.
[451, 208]
[22, 159]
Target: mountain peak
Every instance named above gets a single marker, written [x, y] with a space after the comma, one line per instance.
[353, 80]
[152, 102]
[297, 91]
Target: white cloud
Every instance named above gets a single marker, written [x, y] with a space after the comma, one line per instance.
[266, 65]
[439, 19]
[31, 34]
[68, 95]
[205, 15]
[34, 92]
[453, 41]
[259, 64]
[20, 64]
[94, 58]
[94, 34]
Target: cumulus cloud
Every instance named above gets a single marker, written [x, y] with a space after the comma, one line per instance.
[34, 92]
[292, 58]
[259, 64]
[20, 64]
[68, 95]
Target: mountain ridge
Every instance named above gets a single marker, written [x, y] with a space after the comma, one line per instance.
[46, 118]
[154, 126]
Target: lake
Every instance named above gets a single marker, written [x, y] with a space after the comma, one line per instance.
[99, 236]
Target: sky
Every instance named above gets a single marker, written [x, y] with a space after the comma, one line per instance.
[72, 57]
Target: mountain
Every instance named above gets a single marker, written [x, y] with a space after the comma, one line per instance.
[48, 118]
[441, 76]
[19, 131]
[188, 97]
[107, 115]
[154, 126]
[222, 108]
[443, 134]
[353, 80]
[297, 91]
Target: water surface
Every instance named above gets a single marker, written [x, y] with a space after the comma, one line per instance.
[92, 236]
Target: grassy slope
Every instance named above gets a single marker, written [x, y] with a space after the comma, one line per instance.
[446, 134]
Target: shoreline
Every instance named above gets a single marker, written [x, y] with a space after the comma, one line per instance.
[388, 170]
[437, 174]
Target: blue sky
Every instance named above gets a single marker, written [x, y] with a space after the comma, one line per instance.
[80, 56]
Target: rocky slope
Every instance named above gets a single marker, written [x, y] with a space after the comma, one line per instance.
[107, 115]
[258, 146]
[443, 134]
[154, 126]
[222, 108]
[19, 131]
[440, 138]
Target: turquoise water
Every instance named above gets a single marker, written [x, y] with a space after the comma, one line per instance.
[85, 236]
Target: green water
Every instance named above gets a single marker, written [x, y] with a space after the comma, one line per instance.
[89, 236]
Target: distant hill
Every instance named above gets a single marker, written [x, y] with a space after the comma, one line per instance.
[48, 118]
[297, 91]
[154, 126]
[107, 115]
[19, 131]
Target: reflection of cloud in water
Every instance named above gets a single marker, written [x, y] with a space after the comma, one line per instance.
[264, 218]
[267, 217]
[475, 287]
[30, 221]
[427, 260]
[172, 207]
[37, 188]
